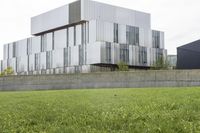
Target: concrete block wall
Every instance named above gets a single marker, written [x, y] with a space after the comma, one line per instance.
[131, 79]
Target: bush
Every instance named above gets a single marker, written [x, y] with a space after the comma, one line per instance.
[161, 64]
[122, 66]
[6, 72]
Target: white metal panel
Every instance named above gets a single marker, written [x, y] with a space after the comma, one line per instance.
[78, 35]
[162, 42]
[31, 62]
[75, 56]
[94, 10]
[148, 57]
[50, 20]
[10, 50]
[43, 61]
[49, 41]
[71, 36]
[152, 56]
[131, 55]
[125, 16]
[142, 20]
[105, 31]
[22, 64]
[60, 39]
[147, 38]
[58, 58]
[12, 64]
[122, 34]
[136, 57]
[4, 64]
[36, 44]
[92, 31]
[5, 51]
[141, 37]
[94, 53]
[21, 48]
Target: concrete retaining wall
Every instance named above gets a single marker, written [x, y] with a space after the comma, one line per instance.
[135, 79]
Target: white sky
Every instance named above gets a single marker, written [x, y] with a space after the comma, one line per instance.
[179, 19]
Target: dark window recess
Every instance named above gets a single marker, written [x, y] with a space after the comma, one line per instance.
[53, 36]
[83, 30]
[49, 60]
[29, 47]
[66, 55]
[37, 62]
[159, 54]
[124, 53]
[74, 35]
[81, 55]
[156, 39]
[116, 33]
[142, 55]
[67, 36]
[14, 49]
[132, 35]
[108, 52]
[43, 43]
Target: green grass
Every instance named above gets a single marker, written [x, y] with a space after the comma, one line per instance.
[103, 110]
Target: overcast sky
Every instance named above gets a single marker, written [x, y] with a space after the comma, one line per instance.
[179, 19]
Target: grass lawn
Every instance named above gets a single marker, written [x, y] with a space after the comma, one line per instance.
[101, 110]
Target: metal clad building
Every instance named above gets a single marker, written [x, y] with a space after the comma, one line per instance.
[85, 36]
[188, 56]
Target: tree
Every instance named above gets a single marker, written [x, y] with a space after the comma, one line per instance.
[160, 64]
[122, 66]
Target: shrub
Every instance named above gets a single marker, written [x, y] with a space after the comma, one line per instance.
[160, 64]
[6, 72]
[122, 66]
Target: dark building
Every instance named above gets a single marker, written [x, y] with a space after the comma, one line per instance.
[188, 56]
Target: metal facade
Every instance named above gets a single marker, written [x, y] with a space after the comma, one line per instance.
[188, 56]
[77, 36]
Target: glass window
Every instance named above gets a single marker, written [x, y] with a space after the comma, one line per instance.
[143, 55]
[156, 39]
[159, 54]
[29, 47]
[108, 52]
[81, 55]
[43, 43]
[49, 60]
[66, 55]
[116, 33]
[124, 53]
[37, 62]
[83, 30]
[71, 36]
[132, 35]
[14, 49]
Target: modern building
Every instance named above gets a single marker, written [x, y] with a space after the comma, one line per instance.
[188, 56]
[85, 36]
[172, 60]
